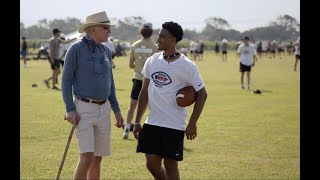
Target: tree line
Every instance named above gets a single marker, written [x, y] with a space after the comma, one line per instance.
[284, 28]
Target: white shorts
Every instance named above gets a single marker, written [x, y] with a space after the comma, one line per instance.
[94, 129]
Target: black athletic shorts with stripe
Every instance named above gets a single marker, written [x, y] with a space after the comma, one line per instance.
[165, 142]
[136, 88]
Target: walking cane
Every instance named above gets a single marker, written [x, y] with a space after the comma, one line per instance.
[65, 152]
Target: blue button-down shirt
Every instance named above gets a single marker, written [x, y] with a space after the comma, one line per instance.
[88, 73]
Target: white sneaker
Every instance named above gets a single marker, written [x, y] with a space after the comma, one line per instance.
[125, 134]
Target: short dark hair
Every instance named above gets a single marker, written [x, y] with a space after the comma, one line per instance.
[146, 32]
[246, 37]
[55, 31]
[174, 29]
[23, 37]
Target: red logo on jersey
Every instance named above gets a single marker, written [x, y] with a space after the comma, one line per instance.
[161, 79]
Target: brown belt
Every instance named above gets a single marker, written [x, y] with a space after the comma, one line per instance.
[91, 101]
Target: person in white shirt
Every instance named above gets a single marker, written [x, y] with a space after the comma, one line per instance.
[247, 54]
[297, 52]
[63, 50]
[163, 132]
[110, 44]
[224, 49]
[140, 51]
[193, 47]
[184, 51]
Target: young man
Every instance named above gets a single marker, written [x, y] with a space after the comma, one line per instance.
[110, 44]
[199, 51]
[224, 49]
[24, 51]
[87, 74]
[247, 59]
[217, 49]
[63, 50]
[139, 52]
[297, 53]
[54, 47]
[162, 134]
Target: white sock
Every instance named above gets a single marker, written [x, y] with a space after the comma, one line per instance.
[127, 126]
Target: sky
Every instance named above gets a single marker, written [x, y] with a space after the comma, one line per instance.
[190, 14]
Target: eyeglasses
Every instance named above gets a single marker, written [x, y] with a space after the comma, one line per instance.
[106, 27]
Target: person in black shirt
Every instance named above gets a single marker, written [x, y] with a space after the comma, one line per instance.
[24, 51]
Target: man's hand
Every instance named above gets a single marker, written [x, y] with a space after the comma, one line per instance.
[191, 131]
[136, 130]
[73, 118]
[252, 64]
[119, 119]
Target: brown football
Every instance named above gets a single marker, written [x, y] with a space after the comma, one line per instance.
[186, 96]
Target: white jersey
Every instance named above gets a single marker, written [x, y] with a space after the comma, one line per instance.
[165, 81]
[246, 54]
[63, 48]
[297, 47]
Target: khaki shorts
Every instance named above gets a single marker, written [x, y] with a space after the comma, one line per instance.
[94, 129]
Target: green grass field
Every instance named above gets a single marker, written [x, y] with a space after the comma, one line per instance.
[241, 135]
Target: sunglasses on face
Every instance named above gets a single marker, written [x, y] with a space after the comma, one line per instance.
[106, 27]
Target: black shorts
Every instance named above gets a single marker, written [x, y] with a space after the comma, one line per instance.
[136, 88]
[161, 141]
[61, 62]
[55, 65]
[224, 52]
[244, 68]
[297, 56]
[199, 52]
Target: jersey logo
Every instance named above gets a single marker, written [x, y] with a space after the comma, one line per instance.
[161, 79]
[246, 52]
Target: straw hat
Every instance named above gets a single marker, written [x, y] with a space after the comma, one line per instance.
[99, 18]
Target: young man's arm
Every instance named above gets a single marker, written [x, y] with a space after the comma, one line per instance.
[66, 41]
[51, 44]
[142, 106]
[191, 130]
[131, 61]
[254, 57]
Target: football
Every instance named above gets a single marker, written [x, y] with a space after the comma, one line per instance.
[186, 96]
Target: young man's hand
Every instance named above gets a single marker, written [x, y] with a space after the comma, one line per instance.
[136, 130]
[191, 131]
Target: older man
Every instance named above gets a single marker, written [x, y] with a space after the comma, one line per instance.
[87, 74]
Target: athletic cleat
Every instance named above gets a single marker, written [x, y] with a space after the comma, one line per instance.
[125, 134]
[56, 88]
[242, 87]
